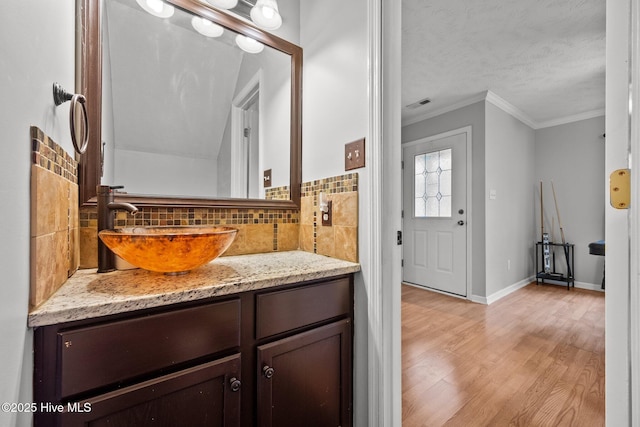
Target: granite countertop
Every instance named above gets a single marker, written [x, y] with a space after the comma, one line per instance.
[88, 294]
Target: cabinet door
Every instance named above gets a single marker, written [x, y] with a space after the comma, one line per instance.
[305, 380]
[197, 397]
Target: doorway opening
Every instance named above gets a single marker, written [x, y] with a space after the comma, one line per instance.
[246, 141]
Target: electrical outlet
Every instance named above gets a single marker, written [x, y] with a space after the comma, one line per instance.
[354, 155]
[328, 215]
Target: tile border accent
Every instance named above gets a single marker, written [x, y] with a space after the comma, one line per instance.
[277, 193]
[48, 155]
[332, 185]
[153, 216]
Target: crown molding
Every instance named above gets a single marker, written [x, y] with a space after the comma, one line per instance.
[571, 119]
[508, 108]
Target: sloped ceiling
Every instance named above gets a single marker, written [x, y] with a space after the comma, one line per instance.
[546, 57]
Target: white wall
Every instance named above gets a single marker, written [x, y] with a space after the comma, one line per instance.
[474, 116]
[509, 167]
[333, 35]
[157, 173]
[36, 49]
[572, 156]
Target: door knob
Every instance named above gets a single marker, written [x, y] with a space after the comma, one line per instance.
[461, 222]
[235, 384]
[267, 371]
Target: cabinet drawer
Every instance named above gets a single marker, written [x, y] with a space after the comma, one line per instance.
[198, 396]
[96, 356]
[281, 311]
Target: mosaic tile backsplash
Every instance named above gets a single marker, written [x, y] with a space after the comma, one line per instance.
[259, 230]
[277, 193]
[340, 240]
[54, 245]
[52, 157]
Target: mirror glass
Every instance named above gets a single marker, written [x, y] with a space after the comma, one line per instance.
[189, 114]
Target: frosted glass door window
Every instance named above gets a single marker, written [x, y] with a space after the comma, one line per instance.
[433, 184]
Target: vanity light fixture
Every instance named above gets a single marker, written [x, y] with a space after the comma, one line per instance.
[157, 8]
[223, 4]
[206, 27]
[265, 14]
[248, 44]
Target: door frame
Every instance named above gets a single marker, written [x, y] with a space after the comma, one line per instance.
[634, 222]
[238, 106]
[469, 199]
[621, 234]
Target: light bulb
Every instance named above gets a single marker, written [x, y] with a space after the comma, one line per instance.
[223, 4]
[268, 12]
[206, 27]
[265, 14]
[157, 8]
[248, 44]
[155, 5]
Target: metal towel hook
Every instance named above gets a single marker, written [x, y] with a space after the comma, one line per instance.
[61, 96]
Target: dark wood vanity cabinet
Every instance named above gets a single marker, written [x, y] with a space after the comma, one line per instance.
[304, 379]
[275, 357]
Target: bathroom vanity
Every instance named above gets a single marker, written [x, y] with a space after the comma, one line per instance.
[249, 340]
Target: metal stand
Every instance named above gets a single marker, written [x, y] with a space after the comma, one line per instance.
[554, 275]
[598, 248]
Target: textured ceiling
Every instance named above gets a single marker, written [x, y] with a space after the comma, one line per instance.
[545, 57]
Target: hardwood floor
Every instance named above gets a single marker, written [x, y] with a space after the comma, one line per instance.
[533, 358]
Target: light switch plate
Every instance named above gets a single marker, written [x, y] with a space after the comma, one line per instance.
[267, 178]
[354, 155]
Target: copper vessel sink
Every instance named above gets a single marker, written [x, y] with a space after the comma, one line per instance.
[168, 249]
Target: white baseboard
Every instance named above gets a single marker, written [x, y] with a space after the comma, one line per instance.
[509, 290]
[478, 299]
[502, 292]
[579, 285]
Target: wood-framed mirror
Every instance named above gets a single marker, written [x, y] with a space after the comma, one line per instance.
[91, 82]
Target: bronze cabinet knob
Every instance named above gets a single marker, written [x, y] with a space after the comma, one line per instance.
[235, 384]
[267, 371]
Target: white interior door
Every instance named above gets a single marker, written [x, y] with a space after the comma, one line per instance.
[435, 213]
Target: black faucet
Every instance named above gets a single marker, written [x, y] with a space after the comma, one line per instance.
[106, 213]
